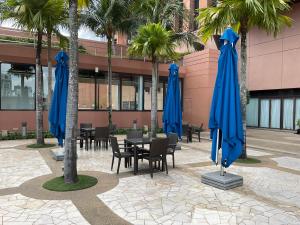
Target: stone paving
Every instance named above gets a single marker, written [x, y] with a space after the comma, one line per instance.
[270, 194]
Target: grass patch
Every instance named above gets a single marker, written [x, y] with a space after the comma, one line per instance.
[40, 146]
[248, 161]
[58, 184]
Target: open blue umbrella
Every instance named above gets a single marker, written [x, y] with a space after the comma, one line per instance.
[57, 114]
[172, 116]
[225, 121]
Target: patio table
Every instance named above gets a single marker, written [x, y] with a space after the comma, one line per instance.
[135, 142]
[87, 134]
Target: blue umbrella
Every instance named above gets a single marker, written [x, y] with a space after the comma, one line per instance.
[57, 114]
[172, 116]
[225, 121]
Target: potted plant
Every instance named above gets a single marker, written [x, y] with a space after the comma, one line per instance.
[298, 124]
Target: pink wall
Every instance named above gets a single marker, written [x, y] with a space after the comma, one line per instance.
[201, 69]
[274, 63]
[10, 120]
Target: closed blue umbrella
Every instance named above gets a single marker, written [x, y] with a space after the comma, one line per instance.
[225, 121]
[172, 116]
[57, 114]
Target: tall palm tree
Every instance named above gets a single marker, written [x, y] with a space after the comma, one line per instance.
[106, 18]
[70, 157]
[171, 14]
[57, 16]
[242, 16]
[154, 42]
[29, 14]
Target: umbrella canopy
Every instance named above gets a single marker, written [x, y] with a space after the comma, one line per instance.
[57, 115]
[225, 121]
[172, 116]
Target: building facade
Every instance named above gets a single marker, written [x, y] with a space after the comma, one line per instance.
[273, 81]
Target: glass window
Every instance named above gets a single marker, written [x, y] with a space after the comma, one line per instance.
[264, 112]
[297, 113]
[275, 113]
[252, 112]
[102, 93]
[45, 84]
[128, 94]
[139, 93]
[147, 95]
[288, 113]
[86, 94]
[17, 86]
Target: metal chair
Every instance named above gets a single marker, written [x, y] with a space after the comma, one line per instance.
[101, 136]
[173, 139]
[197, 131]
[157, 153]
[186, 132]
[83, 134]
[118, 154]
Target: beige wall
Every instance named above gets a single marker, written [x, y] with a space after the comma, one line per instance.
[201, 69]
[274, 63]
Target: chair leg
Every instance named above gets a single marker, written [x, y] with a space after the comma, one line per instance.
[166, 164]
[199, 136]
[119, 165]
[173, 160]
[151, 167]
[112, 163]
[81, 143]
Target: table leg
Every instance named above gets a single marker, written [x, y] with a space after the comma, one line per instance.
[86, 141]
[135, 160]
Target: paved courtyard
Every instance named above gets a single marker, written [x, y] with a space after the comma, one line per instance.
[270, 194]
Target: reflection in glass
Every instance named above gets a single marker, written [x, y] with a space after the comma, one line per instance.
[288, 113]
[45, 84]
[147, 95]
[102, 93]
[129, 87]
[86, 95]
[252, 112]
[297, 113]
[275, 113]
[264, 112]
[17, 86]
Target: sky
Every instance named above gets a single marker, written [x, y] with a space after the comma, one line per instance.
[82, 33]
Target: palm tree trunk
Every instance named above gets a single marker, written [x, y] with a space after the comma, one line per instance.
[39, 93]
[49, 44]
[70, 157]
[109, 53]
[154, 97]
[243, 80]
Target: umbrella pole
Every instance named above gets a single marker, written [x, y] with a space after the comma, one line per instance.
[217, 148]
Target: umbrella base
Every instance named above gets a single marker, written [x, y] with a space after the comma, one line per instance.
[58, 154]
[226, 182]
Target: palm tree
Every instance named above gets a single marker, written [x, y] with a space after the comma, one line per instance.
[106, 18]
[171, 14]
[154, 42]
[242, 16]
[29, 14]
[70, 157]
[57, 16]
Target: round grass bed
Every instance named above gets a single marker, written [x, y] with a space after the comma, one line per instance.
[58, 184]
[40, 145]
[248, 161]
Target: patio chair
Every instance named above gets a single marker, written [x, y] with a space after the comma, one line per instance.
[80, 137]
[157, 153]
[118, 154]
[86, 125]
[101, 136]
[197, 131]
[132, 134]
[112, 129]
[186, 132]
[173, 139]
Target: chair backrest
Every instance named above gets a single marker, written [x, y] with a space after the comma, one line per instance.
[159, 147]
[185, 128]
[115, 146]
[173, 139]
[101, 132]
[134, 134]
[86, 125]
